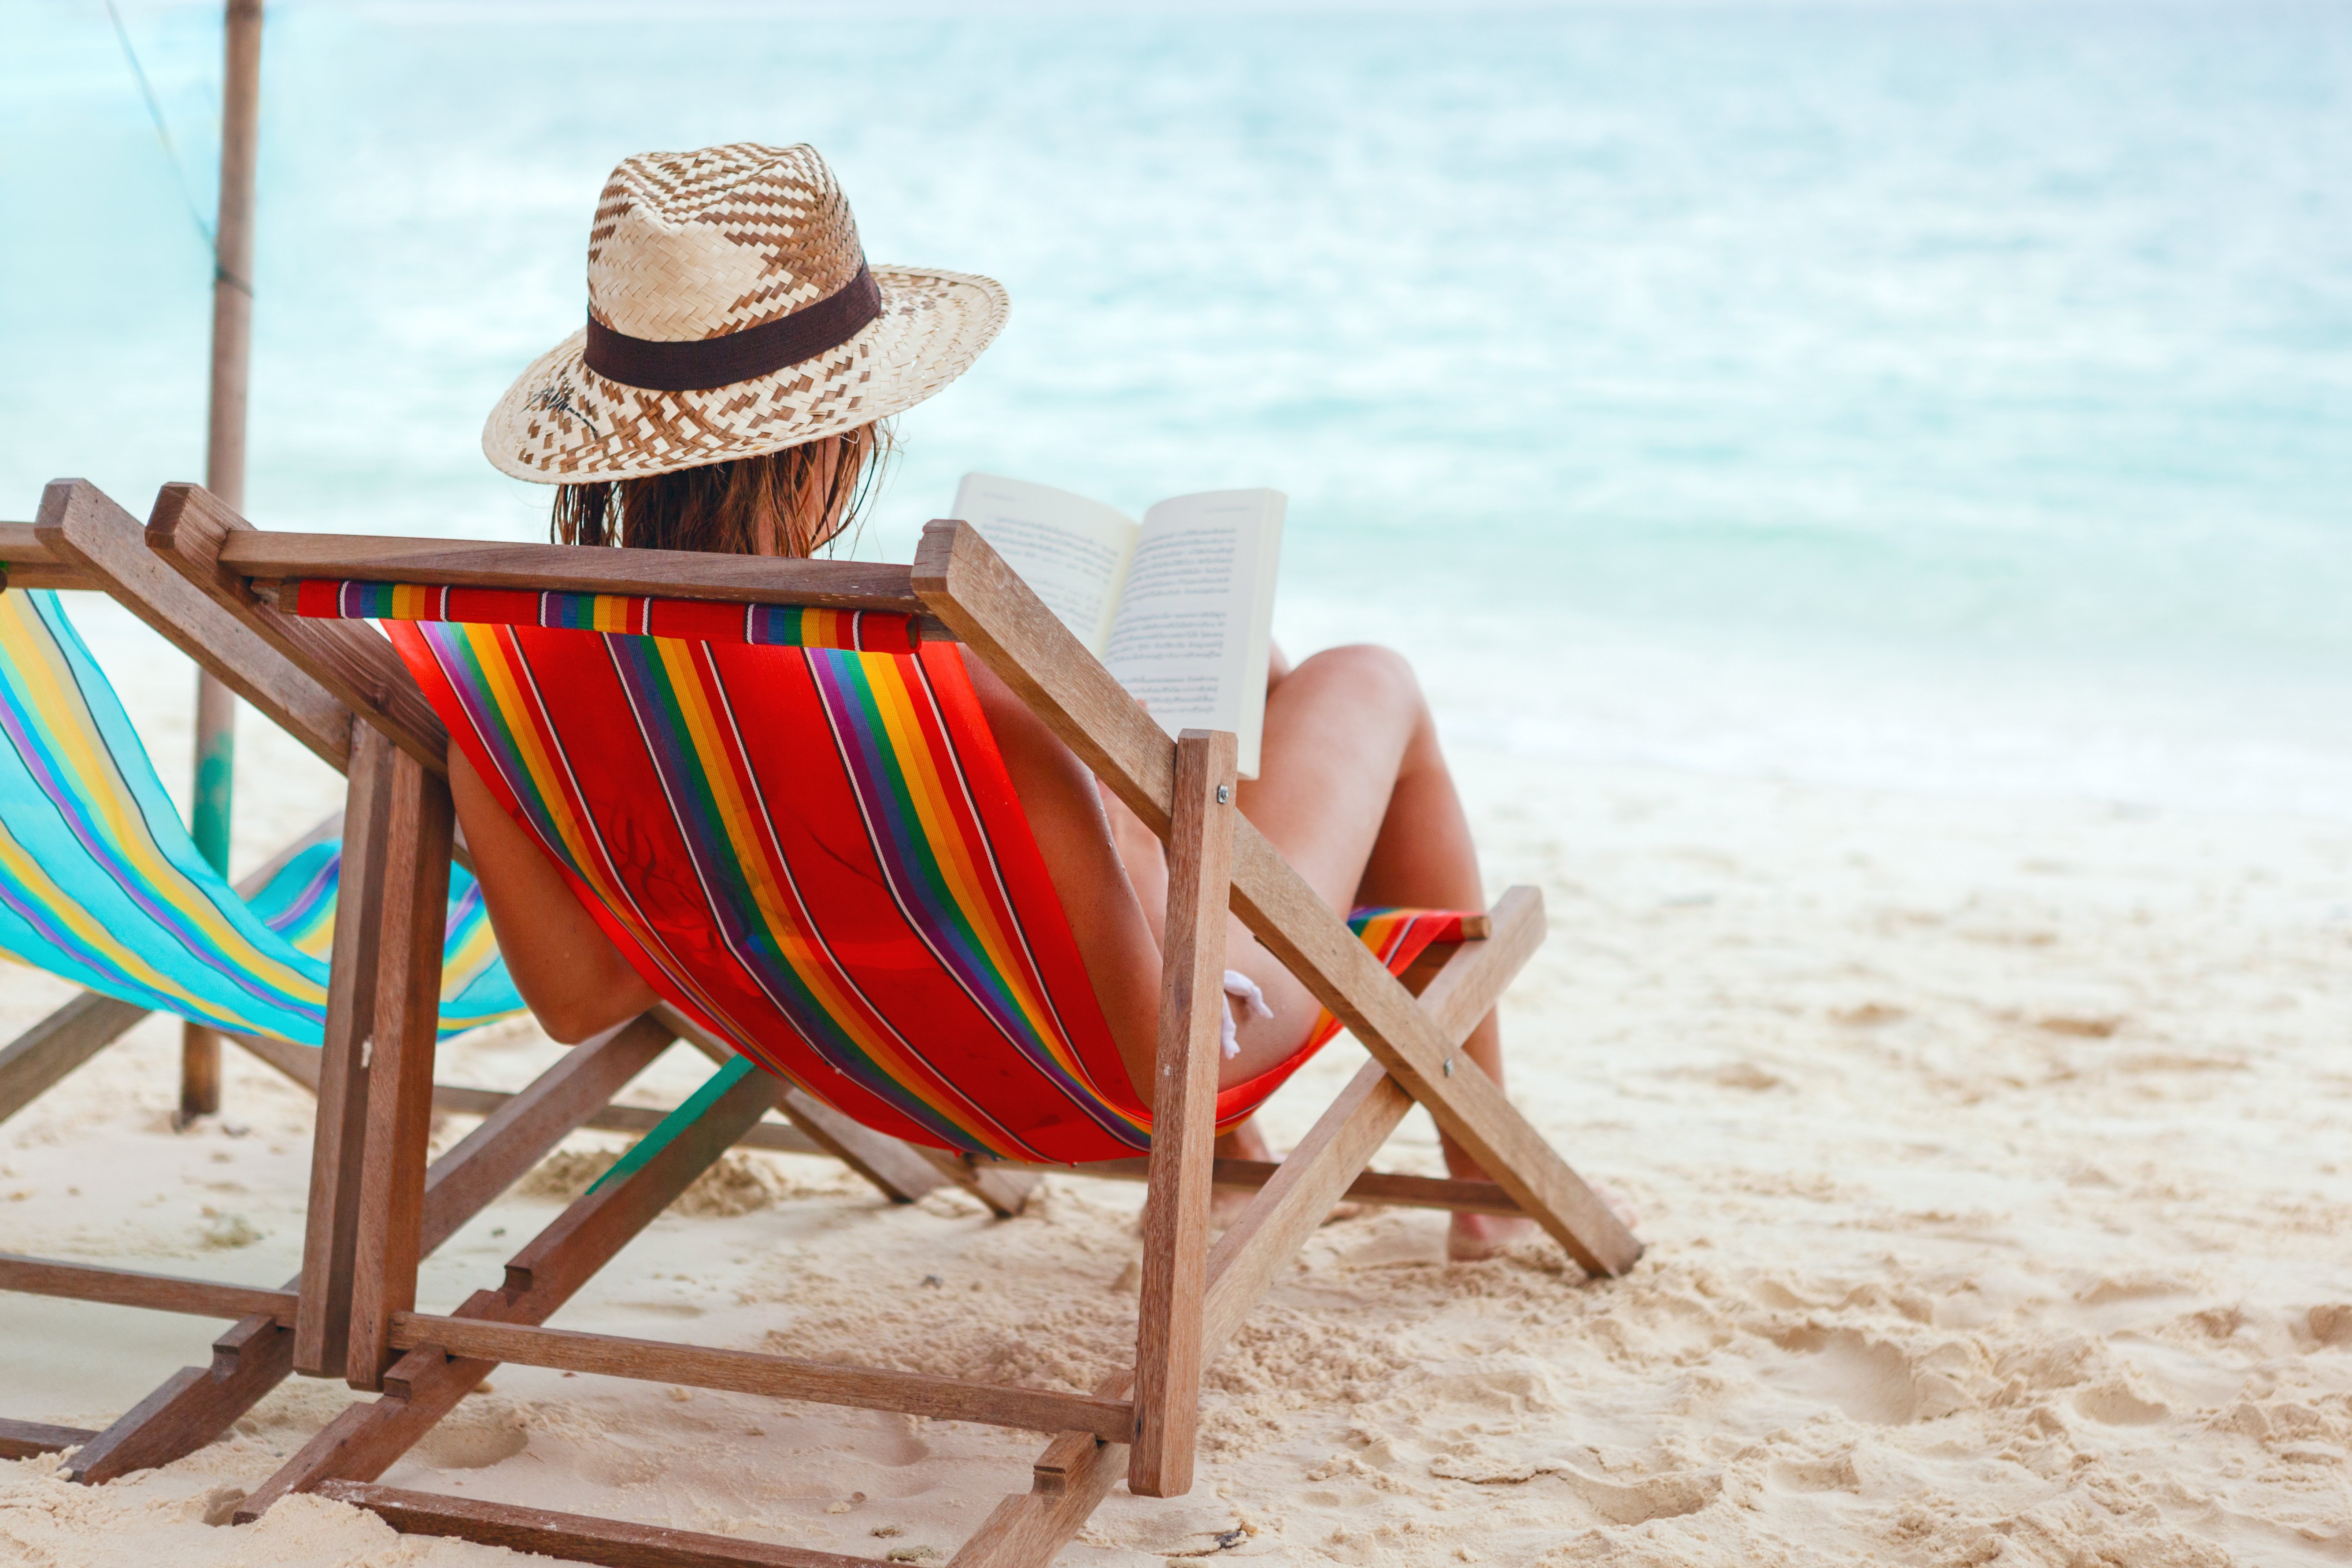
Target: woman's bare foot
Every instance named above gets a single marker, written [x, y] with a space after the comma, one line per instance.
[1472, 1237]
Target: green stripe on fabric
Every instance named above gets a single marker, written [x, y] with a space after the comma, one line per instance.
[667, 1129]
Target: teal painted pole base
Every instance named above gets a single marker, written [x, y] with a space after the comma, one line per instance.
[209, 814]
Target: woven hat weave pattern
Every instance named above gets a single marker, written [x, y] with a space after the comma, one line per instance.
[690, 252]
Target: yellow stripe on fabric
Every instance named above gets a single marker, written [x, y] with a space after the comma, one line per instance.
[927, 790]
[66, 911]
[682, 663]
[82, 752]
[808, 959]
[465, 963]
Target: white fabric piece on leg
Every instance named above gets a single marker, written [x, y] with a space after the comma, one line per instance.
[1236, 983]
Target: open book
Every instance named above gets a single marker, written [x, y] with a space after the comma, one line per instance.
[1179, 607]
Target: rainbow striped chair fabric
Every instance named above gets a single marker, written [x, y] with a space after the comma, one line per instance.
[797, 826]
[101, 885]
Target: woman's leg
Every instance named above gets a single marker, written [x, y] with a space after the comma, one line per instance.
[1354, 791]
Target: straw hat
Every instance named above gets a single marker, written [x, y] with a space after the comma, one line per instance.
[731, 312]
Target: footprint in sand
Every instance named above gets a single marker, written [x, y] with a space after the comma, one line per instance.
[2331, 1325]
[2115, 1404]
[1618, 1502]
[474, 1444]
[1870, 1379]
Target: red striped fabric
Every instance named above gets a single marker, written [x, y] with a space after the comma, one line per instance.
[818, 855]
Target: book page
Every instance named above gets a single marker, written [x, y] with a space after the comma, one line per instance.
[1072, 552]
[1193, 627]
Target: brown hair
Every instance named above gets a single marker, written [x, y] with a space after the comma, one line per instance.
[789, 502]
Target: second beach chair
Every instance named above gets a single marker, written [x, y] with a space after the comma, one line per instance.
[770, 782]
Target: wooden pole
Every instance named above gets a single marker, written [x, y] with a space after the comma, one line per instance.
[208, 818]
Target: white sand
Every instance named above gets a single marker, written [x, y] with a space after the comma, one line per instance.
[1994, 1158]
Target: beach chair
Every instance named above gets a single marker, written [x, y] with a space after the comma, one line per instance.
[100, 884]
[570, 673]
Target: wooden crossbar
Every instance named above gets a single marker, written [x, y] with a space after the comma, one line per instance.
[574, 1537]
[31, 1439]
[80, 527]
[26, 563]
[1389, 1189]
[136, 1287]
[778, 1376]
[268, 555]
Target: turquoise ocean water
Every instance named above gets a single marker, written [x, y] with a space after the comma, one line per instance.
[1953, 397]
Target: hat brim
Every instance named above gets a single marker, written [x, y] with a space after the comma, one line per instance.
[561, 422]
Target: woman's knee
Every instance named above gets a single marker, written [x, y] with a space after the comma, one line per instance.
[1381, 674]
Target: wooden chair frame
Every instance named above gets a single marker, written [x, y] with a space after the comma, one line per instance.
[82, 541]
[1140, 1421]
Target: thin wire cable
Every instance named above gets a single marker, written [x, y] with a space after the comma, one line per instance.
[171, 153]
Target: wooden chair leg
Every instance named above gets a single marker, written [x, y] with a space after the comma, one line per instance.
[31, 1439]
[1184, 1118]
[199, 1074]
[1071, 1477]
[192, 1406]
[389, 1241]
[198, 1404]
[1028, 1530]
[323, 1322]
[424, 1385]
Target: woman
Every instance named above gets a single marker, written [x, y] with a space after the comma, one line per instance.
[727, 395]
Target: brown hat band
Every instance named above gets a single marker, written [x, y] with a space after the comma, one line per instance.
[704, 363]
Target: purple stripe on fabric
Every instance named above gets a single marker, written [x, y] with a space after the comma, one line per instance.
[896, 1093]
[892, 859]
[1118, 1127]
[37, 763]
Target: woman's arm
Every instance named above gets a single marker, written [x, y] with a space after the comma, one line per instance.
[572, 978]
[1082, 858]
